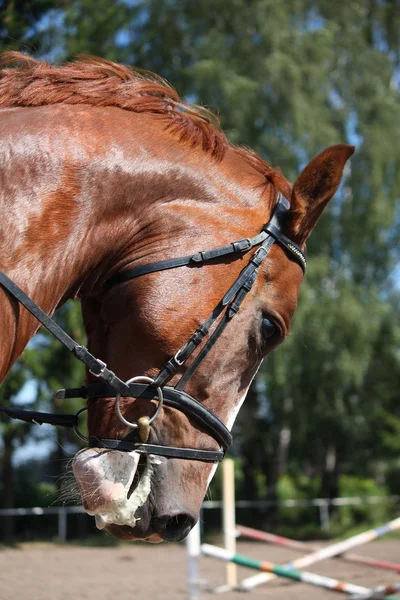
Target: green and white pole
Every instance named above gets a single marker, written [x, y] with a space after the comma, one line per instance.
[380, 592]
[326, 552]
[289, 573]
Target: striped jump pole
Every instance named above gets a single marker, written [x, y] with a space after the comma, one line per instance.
[380, 592]
[229, 519]
[271, 538]
[327, 552]
[288, 573]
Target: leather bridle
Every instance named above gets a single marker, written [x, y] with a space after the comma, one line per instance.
[145, 387]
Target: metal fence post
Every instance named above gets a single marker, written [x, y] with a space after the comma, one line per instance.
[62, 524]
[229, 517]
[193, 559]
[324, 515]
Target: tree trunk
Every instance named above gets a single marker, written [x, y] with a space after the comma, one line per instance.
[330, 475]
[277, 463]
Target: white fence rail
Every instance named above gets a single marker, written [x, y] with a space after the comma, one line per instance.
[323, 504]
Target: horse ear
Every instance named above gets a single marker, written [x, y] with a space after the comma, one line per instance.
[314, 187]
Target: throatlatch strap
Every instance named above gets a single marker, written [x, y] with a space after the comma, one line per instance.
[95, 366]
[194, 260]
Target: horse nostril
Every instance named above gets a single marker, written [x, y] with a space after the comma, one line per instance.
[174, 528]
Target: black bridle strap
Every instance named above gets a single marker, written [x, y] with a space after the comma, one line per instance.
[235, 295]
[172, 397]
[193, 260]
[203, 352]
[271, 233]
[71, 421]
[210, 456]
[287, 243]
[199, 258]
[95, 366]
[236, 292]
[249, 270]
[33, 416]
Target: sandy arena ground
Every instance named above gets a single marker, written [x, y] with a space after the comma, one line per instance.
[157, 572]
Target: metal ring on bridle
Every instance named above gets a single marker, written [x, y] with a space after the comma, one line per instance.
[75, 428]
[140, 379]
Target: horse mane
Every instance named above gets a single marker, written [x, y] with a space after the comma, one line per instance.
[99, 82]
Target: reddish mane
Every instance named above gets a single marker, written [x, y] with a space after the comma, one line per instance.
[99, 82]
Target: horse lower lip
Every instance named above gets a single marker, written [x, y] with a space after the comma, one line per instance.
[127, 533]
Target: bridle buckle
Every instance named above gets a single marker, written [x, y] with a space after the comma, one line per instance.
[101, 372]
[176, 359]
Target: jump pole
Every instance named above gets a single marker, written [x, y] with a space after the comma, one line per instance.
[379, 592]
[271, 538]
[289, 573]
[228, 524]
[327, 552]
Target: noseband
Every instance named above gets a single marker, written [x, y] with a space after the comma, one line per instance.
[145, 387]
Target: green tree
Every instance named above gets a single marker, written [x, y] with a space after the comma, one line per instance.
[287, 79]
[28, 24]
[96, 28]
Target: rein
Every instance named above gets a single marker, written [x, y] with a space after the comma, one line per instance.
[145, 387]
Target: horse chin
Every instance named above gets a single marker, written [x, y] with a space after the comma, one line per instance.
[142, 530]
[148, 525]
[133, 534]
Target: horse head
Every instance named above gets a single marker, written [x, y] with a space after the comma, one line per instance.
[125, 191]
[139, 322]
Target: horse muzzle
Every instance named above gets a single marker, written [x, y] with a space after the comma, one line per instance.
[132, 496]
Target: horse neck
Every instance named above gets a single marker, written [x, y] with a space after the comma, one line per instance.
[68, 242]
[69, 222]
[59, 248]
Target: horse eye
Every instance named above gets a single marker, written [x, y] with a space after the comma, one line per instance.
[268, 328]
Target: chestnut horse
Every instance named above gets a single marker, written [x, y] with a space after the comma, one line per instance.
[104, 169]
